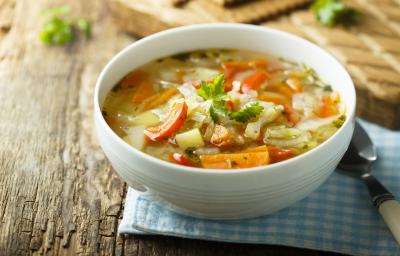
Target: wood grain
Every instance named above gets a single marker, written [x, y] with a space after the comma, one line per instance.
[369, 50]
[58, 193]
[146, 17]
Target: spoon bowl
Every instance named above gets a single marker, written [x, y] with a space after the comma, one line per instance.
[360, 155]
[357, 162]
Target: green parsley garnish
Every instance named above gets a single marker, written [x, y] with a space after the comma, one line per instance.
[247, 112]
[215, 91]
[340, 121]
[218, 110]
[333, 12]
[59, 29]
[56, 31]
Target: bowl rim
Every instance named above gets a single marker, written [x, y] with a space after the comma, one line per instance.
[198, 170]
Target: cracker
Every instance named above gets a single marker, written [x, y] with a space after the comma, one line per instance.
[227, 3]
[178, 3]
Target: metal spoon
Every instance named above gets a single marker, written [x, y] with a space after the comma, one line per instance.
[357, 162]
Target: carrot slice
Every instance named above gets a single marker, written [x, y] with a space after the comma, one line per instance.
[254, 81]
[173, 122]
[262, 148]
[144, 91]
[327, 108]
[231, 68]
[258, 63]
[221, 136]
[294, 84]
[273, 97]
[228, 86]
[282, 89]
[161, 99]
[278, 154]
[235, 160]
[279, 99]
[275, 154]
[133, 79]
[180, 159]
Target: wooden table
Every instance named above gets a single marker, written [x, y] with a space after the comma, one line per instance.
[58, 193]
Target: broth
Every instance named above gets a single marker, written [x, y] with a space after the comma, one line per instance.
[223, 109]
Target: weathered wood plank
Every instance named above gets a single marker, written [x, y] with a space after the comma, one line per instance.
[58, 194]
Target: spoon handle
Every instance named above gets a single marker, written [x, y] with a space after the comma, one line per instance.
[390, 211]
[388, 207]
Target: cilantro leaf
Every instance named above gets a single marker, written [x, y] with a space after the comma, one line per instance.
[57, 31]
[218, 110]
[333, 12]
[248, 111]
[214, 90]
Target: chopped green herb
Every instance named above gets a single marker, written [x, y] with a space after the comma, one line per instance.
[191, 154]
[340, 121]
[213, 91]
[57, 31]
[293, 63]
[328, 88]
[218, 110]
[333, 12]
[247, 112]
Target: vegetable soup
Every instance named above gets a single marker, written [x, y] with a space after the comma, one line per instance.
[223, 109]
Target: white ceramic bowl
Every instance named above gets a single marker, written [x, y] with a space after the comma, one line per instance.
[226, 194]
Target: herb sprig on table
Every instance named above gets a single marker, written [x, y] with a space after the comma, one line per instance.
[60, 29]
[333, 12]
[215, 91]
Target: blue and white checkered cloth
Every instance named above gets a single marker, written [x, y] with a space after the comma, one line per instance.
[337, 217]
